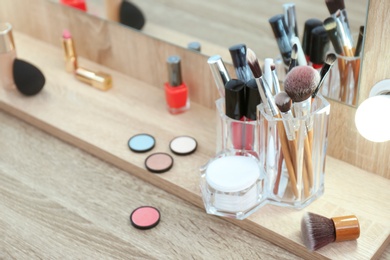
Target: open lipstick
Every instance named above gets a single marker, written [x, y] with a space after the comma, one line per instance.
[69, 52]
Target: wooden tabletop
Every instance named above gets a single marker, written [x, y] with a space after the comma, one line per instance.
[60, 202]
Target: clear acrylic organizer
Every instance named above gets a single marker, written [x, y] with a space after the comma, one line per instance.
[296, 178]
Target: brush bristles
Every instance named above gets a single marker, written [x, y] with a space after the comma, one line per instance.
[330, 24]
[317, 231]
[294, 51]
[301, 82]
[330, 58]
[283, 102]
[253, 63]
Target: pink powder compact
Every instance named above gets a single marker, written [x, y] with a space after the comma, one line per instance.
[145, 217]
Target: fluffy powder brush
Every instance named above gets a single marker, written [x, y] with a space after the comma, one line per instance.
[318, 231]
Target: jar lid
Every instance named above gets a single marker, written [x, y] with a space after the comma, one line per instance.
[232, 173]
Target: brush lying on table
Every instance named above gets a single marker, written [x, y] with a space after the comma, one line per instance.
[318, 231]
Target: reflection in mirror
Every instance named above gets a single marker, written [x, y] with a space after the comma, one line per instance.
[219, 24]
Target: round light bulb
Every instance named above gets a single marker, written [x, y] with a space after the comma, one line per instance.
[372, 118]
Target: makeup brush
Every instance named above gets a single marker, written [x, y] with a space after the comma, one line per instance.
[275, 79]
[294, 57]
[29, 80]
[238, 53]
[271, 109]
[254, 65]
[334, 6]
[284, 103]
[264, 90]
[300, 83]
[301, 55]
[330, 26]
[131, 15]
[358, 48]
[267, 75]
[329, 61]
[318, 231]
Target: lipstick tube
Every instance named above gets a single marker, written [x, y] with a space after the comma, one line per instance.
[176, 91]
[7, 55]
[235, 109]
[70, 55]
[99, 80]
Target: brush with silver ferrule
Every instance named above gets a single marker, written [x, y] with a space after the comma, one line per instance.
[300, 54]
[294, 57]
[284, 103]
[275, 79]
[330, 26]
[338, 5]
[267, 75]
[344, 36]
[359, 43]
[238, 55]
[271, 109]
[318, 231]
[329, 61]
[300, 83]
[264, 90]
[220, 74]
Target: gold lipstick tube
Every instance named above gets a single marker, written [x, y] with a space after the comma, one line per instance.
[99, 80]
[69, 55]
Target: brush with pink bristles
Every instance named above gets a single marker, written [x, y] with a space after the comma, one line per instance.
[300, 84]
[318, 231]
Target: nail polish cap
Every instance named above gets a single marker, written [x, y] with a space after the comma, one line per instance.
[174, 71]
[99, 80]
[238, 54]
[306, 40]
[319, 45]
[235, 99]
[6, 39]
[252, 99]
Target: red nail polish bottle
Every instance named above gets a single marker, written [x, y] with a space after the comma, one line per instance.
[176, 92]
[79, 4]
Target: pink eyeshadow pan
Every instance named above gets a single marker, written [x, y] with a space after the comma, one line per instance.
[159, 162]
[145, 217]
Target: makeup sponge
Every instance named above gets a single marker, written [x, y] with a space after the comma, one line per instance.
[300, 82]
[131, 15]
[28, 79]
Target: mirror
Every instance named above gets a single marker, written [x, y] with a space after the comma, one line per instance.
[217, 25]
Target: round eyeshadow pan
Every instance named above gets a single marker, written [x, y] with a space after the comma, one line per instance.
[159, 162]
[141, 143]
[145, 217]
[183, 145]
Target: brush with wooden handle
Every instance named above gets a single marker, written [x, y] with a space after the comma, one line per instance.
[272, 110]
[300, 83]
